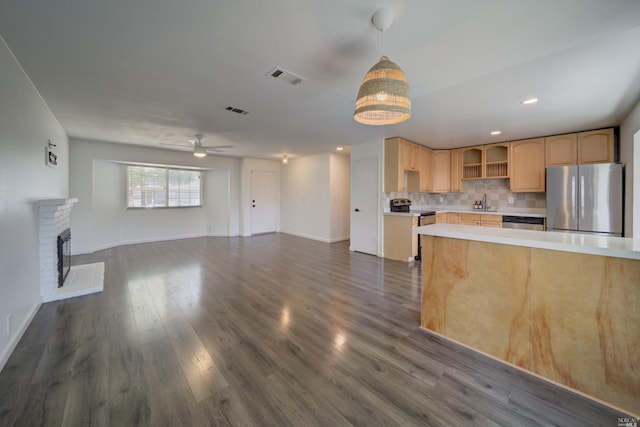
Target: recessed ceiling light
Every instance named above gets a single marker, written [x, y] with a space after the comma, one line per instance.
[496, 132]
[339, 148]
[530, 101]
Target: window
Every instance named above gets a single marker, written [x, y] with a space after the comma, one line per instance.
[152, 187]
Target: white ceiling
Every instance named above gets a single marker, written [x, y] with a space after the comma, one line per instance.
[159, 71]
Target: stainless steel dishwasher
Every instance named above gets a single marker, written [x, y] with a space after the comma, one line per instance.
[523, 222]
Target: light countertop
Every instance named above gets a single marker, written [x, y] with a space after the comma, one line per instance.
[618, 247]
[402, 213]
[415, 211]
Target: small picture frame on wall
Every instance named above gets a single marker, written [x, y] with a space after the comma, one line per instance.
[50, 158]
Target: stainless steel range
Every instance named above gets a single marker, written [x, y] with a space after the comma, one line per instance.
[400, 205]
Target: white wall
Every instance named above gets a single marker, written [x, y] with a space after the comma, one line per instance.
[629, 127]
[247, 166]
[26, 123]
[218, 190]
[305, 197]
[369, 150]
[340, 194]
[315, 197]
[106, 208]
[100, 219]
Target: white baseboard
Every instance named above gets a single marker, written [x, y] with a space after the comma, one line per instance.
[135, 242]
[159, 239]
[18, 335]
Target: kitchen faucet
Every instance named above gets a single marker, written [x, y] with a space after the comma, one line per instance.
[484, 202]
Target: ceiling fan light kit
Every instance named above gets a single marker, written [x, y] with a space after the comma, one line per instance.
[199, 151]
[383, 98]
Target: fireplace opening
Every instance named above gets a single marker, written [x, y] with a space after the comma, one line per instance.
[64, 255]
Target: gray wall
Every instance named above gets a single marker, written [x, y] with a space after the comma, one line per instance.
[26, 123]
[630, 125]
[101, 220]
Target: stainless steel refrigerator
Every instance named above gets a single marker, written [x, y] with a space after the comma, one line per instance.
[585, 198]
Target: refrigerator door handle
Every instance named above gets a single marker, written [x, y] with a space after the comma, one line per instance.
[581, 196]
[573, 195]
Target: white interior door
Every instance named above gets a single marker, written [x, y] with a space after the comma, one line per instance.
[264, 201]
[364, 206]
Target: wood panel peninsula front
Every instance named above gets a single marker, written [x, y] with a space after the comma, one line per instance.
[563, 306]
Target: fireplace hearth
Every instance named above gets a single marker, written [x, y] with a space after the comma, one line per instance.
[63, 243]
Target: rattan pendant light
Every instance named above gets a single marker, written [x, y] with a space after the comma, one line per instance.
[383, 98]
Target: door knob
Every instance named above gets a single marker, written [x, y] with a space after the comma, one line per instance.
[357, 210]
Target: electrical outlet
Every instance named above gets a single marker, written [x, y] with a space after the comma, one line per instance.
[510, 200]
[441, 199]
[9, 323]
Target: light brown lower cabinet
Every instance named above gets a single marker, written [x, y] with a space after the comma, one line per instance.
[480, 220]
[400, 243]
[491, 221]
[470, 219]
[453, 218]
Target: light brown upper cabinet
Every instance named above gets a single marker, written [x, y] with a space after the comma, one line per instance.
[496, 160]
[527, 164]
[425, 160]
[398, 153]
[402, 166]
[409, 155]
[580, 148]
[393, 166]
[456, 170]
[487, 161]
[472, 158]
[441, 171]
[562, 149]
[595, 146]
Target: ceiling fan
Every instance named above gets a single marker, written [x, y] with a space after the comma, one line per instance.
[200, 150]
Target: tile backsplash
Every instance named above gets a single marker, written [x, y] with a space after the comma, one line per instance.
[497, 191]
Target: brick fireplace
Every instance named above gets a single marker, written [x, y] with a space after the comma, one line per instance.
[54, 218]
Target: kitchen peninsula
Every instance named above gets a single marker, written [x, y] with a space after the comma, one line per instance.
[563, 306]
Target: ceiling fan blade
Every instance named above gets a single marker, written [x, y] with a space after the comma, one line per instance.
[214, 147]
[176, 145]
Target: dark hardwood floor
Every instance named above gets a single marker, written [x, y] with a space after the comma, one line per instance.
[269, 330]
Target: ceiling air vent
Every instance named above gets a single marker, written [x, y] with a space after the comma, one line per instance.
[236, 110]
[285, 76]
